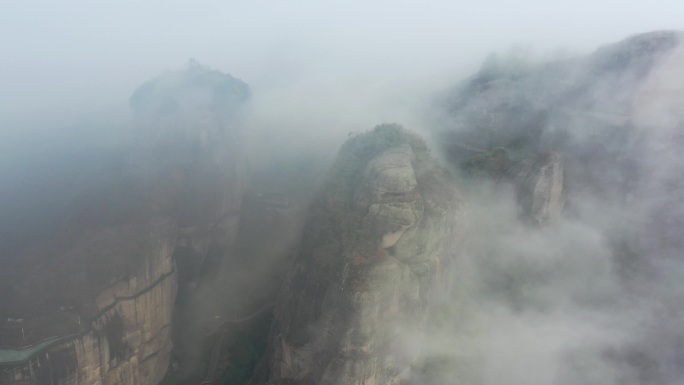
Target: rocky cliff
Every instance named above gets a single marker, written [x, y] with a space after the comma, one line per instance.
[588, 110]
[599, 136]
[98, 296]
[539, 188]
[128, 338]
[371, 259]
[537, 181]
[94, 303]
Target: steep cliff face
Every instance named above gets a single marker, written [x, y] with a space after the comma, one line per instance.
[100, 300]
[588, 110]
[591, 111]
[371, 258]
[537, 181]
[94, 302]
[190, 128]
[129, 338]
[539, 188]
[615, 119]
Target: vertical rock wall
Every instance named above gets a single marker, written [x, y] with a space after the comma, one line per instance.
[369, 265]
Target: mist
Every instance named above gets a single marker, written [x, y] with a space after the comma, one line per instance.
[76, 57]
[568, 303]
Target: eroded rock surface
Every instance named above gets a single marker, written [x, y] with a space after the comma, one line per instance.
[389, 183]
[369, 264]
[539, 185]
[93, 303]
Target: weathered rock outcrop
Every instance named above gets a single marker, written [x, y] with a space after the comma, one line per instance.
[190, 127]
[589, 110]
[373, 249]
[615, 119]
[129, 341]
[95, 302]
[539, 188]
[100, 302]
[537, 181]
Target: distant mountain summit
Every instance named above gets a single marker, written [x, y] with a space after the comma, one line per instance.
[599, 136]
[95, 300]
[597, 112]
[196, 87]
[196, 106]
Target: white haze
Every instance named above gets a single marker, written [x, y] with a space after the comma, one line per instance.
[536, 306]
[66, 58]
[319, 70]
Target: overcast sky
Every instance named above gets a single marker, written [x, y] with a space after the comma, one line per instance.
[76, 56]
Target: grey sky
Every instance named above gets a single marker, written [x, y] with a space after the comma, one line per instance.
[74, 56]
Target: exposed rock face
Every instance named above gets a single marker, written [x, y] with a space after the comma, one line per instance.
[590, 110]
[190, 127]
[537, 181]
[370, 261]
[615, 119]
[130, 340]
[388, 178]
[539, 185]
[120, 331]
[102, 290]
[598, 112]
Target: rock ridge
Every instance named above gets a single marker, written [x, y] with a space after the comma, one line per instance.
[368, 268]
